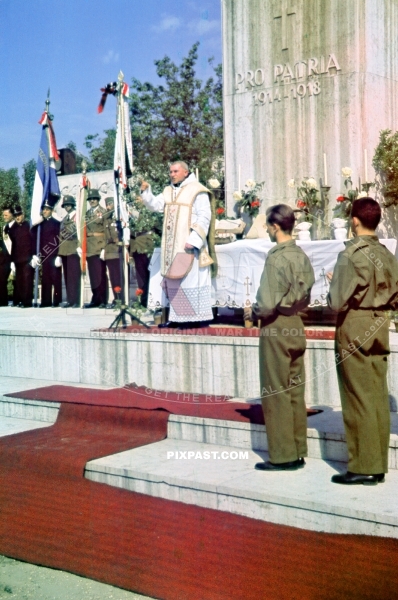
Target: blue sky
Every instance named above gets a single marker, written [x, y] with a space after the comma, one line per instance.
[75, 47]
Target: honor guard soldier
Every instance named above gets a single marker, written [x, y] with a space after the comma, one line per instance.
[111, 252]
[95, 226]
[21, 256]
[70, 252]
[51, 277]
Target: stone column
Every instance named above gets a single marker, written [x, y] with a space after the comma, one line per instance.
[303, 78]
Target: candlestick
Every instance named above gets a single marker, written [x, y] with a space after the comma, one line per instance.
[359, 185]
[365, 152]
[325, 169]
[239, 177]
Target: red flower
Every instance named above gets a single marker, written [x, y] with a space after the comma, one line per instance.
[117, 290]
[340, 199]
[220, 211]
[301, 203]
[139, 292]
[255, 203]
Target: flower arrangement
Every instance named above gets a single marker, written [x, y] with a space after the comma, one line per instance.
[342, 210]
[248, 200]
[136, 307]
[385, 163]
[307, 201]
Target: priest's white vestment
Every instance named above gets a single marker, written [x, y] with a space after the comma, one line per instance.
[187, 216]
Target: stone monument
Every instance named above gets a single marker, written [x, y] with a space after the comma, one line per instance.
[308, 85]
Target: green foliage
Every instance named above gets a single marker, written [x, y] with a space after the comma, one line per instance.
[79, 158]
[29, 173]
[10, 190]
[385, 163]
[143, 220]
[180, 119]
[101, 150]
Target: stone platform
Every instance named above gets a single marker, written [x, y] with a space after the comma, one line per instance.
[74, 346]
[209, 463]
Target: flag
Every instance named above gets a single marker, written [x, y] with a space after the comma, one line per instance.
[81, 207]
[46, 182]
[123, 157]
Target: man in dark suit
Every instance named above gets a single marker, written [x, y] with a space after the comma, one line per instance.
[21, 256]
[5, 255]
[51, 279]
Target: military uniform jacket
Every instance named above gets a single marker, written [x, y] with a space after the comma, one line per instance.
[286, 282]
[49, 238]
[68, 241]
[111, 237]
[365, 277]
[21, 249]
[95, 226]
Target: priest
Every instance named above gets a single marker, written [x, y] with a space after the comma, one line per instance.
[185, 260]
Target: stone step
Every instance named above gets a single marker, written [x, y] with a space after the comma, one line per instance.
[326, 437]
[229, 482]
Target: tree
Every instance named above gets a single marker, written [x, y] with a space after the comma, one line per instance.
[10, 189]
[79, 158]
[29, 172]
[180, 119]
[101, 150]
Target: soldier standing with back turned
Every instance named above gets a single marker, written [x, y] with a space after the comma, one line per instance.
[284, 291]
[363, 286]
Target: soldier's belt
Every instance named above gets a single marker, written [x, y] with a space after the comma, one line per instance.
[95, 234]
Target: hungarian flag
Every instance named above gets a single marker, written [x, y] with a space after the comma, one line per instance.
[46, 182]
[81, 207]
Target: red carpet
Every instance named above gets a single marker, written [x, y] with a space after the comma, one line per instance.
[132, 396]
[50, 515]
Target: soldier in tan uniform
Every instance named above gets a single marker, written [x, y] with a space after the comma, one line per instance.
[284, 290]
[364, 285]
[112, 254]
[70, 252]
[95, 226]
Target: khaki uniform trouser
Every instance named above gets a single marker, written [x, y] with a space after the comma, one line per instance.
[282, 377]
[362, 347]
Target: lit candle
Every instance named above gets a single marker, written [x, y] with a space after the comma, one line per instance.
[239, 177]
[325, 169]
[197, 174]
[365, 153]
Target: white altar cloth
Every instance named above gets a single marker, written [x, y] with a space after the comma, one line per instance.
[241, 264]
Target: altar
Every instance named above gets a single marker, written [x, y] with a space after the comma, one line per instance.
[240, 265]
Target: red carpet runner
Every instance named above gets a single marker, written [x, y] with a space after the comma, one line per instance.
[50, 515]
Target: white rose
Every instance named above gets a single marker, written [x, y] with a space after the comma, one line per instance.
[250, 183]
[214, 183]
[362, 195]
[346, 171]
[237, 196]
[311, 183]
[291, 183]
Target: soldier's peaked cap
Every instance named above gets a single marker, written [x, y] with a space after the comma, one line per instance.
[68, 200]
[109, 199]
[93, 195]
[51, 201]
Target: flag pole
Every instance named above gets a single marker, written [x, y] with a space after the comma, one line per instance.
[36, 286]
[81, 216]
